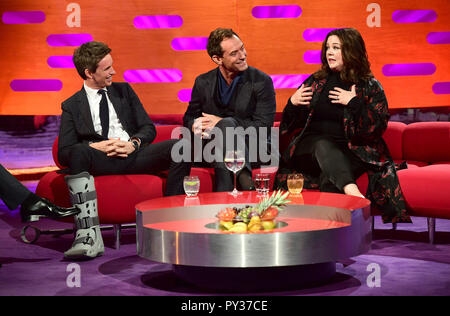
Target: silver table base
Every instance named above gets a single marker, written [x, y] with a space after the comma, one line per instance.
[262, 261]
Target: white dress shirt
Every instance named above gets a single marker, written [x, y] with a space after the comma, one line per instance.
[115, 127]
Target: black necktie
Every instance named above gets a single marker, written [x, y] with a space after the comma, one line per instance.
[104, 113]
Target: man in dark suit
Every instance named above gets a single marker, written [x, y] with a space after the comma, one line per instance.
[230, 96]
[106, 130]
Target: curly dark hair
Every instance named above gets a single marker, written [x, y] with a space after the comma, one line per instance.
[88, 55]
[215, 38]
[354, 56]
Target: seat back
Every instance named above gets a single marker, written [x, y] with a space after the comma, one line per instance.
[427, 141]
[393, 136]
[165, 132]
[55, 154]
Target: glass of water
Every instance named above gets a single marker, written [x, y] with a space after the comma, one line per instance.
[234, 161]
[191, 185]
[262, 183]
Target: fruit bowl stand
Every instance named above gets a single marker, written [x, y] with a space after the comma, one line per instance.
[315, 230]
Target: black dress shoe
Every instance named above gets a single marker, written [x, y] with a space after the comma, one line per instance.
[32, 209]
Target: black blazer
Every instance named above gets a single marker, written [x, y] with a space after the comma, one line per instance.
[77, 126]
[254, 102]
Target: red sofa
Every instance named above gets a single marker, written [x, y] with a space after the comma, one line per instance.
[425, 146]
[425, 184]
[117, 195]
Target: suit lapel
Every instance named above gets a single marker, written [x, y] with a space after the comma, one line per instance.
[243, 92]
[117, 104]
[85, 111]
[115, 100]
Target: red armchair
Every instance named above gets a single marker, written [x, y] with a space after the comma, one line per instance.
[117, 195]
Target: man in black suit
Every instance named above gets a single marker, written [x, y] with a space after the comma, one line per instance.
[230, 96]
[106, 130]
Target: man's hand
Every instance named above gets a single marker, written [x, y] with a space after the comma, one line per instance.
[210, 120]
[204, 124]
[114, 147]
[104, 145]
[197, 127]
[121, 149]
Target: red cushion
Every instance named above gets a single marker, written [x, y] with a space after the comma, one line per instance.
[362, 182]
[441, 163]
[164, 132]
[167, 118]
[53, 187]
[117, 195]
[206, 177]
[416, 164]
[426, 190]
[393, 137]
[55, 153]
[427, 141]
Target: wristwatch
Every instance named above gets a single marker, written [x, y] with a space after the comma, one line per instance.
[136, 142]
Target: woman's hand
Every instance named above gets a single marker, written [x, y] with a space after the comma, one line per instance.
[302, 96]
[341, 96]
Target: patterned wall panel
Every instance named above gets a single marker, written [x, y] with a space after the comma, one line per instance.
[159, 46]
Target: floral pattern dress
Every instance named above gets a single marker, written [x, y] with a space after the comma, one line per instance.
[365, 120]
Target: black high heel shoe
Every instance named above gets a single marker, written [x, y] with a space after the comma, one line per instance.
[31, 211]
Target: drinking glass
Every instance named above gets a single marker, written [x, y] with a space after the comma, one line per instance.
[234, 161]
[262, 183]
[191, 185]
[295, 183]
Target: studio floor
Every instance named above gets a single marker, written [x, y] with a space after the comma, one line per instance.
[400, 262]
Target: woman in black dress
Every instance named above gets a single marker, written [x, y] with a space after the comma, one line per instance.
[336, 120]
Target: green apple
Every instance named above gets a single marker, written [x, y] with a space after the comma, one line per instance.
[226, 225]
[267, 225]
[239, 227]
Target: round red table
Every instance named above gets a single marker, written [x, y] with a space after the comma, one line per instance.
[318, 229]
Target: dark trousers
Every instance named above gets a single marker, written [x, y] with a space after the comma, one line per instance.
[150, 159]
[12, 192]
[330, 160]
[224, 179]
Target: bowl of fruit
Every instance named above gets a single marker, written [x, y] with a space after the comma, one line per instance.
[251, 219]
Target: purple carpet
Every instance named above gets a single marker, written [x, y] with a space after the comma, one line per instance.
[405, 262]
